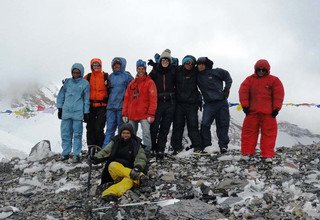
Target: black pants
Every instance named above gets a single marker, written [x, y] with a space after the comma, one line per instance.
[183, 113]
[159, 129]
[95, 126]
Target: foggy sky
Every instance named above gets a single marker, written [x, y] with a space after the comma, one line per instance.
[40, 40]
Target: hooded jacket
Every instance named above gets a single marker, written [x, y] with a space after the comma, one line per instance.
[129, 153]
[186, 84]
[210, 82]
[73, 96]
[140, 100]
[262, 94]
[119, 82]
[98, 90]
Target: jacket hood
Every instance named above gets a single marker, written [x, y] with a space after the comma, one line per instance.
[128, 127]
[206, 61]
[263, 64]
[78, 66]
[122, 61]
[95, 60]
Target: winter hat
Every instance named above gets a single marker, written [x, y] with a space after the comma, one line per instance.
[262, 64]
[166, 54]
[127, 127]
[141, 63]
[188, 58]
[78, 66]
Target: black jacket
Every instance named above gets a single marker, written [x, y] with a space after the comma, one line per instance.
[186, 86]
[164, 78]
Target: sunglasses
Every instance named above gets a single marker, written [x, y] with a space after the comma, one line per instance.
[96, 65]
[164, 60]
[261, 70]
[189, 63]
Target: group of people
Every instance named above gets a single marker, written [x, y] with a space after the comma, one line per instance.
[169, 94]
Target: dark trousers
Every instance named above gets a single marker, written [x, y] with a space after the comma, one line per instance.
[183, 113]
[159, 129]
[219, 111]
[95, 126]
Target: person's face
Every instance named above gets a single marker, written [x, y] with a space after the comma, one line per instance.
[261, 71]
[165, 62]
[76, 73]
[96, 66]
[141, 71]
[188, 65]
[116, 67]
[125, 134]
[201, 67]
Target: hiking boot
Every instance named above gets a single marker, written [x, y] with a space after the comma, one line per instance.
[160, 155]
[110, 198]
[76, 159]
[268, 160]
[223, 150]
[64, 157]
[245, 157]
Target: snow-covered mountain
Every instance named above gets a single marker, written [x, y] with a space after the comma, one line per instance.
[32, 120]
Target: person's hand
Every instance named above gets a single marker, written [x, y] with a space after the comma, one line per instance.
[246, 110]
[59, 113]
[86, 117]
[150, 119]
[95, 160]
[125, 119]
[135, 173]
[274, 113]
[226, 93]
[151, 63]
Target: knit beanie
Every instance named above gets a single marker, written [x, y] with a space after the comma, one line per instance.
[141, 63]
[187, 58]
[166, 54]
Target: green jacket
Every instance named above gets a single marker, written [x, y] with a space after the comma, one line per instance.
[110, 152]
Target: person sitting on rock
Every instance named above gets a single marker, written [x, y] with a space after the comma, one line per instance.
[126, 160]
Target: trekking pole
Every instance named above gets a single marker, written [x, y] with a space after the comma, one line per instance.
[91, 153]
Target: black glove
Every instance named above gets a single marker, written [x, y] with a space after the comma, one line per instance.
[59, 113]
[274, 113]
[86, 117]
[246, 110]
[151, 63]
[135, 173]
[95, 160]
[226, 93]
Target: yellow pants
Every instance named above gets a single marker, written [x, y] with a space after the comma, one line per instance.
[121, 175]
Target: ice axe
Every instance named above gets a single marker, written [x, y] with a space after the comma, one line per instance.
[91, 152]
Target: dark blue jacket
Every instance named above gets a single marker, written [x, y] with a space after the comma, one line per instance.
[210, 82]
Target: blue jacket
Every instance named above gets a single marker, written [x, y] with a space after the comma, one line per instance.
[210, 82]
[119, 81]
[73, 96]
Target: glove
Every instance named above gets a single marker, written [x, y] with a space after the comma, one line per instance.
[150, 119]
[95, 160]
[274, 113]
[226, 93]
[59, 113]
[135, 173]
[151, 63]
[86, 117]
[125, 119]
[246, 110]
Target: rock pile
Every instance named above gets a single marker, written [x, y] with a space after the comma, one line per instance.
[208, 187]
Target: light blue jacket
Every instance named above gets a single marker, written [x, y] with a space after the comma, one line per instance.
[73, 96]
[119, 81]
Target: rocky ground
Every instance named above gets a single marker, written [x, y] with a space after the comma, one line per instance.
[204, 187]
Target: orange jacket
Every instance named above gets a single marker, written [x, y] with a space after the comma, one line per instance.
[98, 90]
[140, 100]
